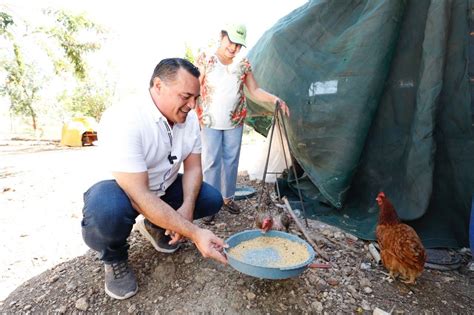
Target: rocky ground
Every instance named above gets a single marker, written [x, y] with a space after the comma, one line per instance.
[32, 179]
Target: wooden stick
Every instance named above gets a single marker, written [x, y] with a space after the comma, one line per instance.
[303, 230]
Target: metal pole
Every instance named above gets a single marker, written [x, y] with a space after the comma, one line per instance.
[278, 108]
[268, 155]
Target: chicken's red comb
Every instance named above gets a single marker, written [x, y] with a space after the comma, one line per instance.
[381, 194]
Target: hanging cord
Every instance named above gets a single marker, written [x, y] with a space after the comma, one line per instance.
[278, 119]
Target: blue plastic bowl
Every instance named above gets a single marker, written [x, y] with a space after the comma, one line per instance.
[244, 192]
[257, 263]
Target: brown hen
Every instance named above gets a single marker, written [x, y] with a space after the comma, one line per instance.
[267, 219]
[401, 249]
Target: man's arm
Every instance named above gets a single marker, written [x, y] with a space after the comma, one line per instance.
[151, 206]
[160, 213]
[192, 181]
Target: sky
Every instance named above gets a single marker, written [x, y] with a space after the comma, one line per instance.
[143, 32]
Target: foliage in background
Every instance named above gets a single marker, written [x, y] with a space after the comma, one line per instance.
[191, 54]
[77, 36]
[20, 84]
[6, 21]
[88, 99]
[24, 78]
[188, 53]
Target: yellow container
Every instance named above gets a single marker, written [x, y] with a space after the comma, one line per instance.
[79, 131]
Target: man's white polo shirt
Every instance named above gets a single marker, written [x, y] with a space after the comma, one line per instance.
[135, 137]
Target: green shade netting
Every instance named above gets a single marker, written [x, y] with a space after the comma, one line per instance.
[380, 101]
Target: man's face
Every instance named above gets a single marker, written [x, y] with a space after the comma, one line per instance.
[176, 98]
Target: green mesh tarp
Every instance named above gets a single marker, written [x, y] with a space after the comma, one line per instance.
[380, 101]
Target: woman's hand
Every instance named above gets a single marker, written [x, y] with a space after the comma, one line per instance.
[283, 106]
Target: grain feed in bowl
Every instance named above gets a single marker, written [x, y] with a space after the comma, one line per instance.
[270, 251]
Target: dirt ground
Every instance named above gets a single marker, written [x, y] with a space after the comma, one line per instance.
[45, 267]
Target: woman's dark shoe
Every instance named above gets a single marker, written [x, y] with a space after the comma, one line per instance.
[232, 207]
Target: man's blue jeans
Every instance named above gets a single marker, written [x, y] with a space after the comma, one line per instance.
[108, 215]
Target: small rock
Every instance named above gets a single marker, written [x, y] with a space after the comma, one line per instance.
[179, 289]
[160, 298]
[332, 281]
[326, 233]
[346, 270]
[344, 307]
[338, 235]
[365, 266]
[40, 299]
[378, 311]
[351, 237]
[62, 309]
[240, 282]
[82, 304]
[251, 296]
[189, 260]
[364, 282]
[53, 279]
[27, 307]
[283, 307]
[368, 290]
[352, 289]
[448, 279]
[71, 286]
[317, 306]
[12, 303]
[470, 265]
[365, 305]
[221, 225]
[132, 309]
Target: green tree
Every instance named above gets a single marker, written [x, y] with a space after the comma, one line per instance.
[23, 79]
[6, 21]
[21, 87]
[77, 36]
[88, 99]
[20, 84]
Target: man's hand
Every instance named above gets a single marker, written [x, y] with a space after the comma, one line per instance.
[210, 245]
[192, 180]
[187, 214]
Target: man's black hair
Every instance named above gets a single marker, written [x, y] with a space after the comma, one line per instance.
[167, 68]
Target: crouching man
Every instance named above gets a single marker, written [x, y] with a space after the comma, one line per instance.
[144, 143]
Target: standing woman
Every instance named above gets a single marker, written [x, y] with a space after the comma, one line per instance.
[223, 109]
